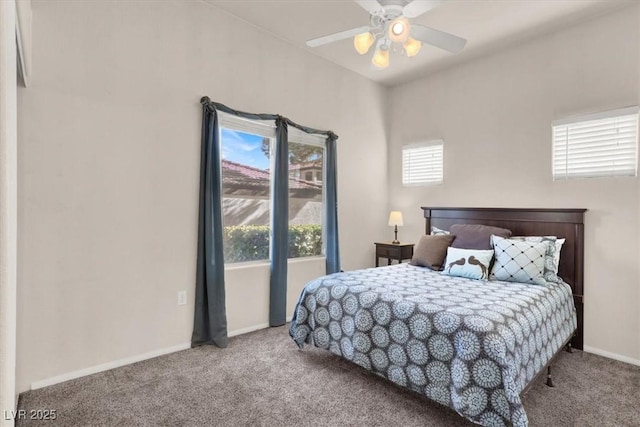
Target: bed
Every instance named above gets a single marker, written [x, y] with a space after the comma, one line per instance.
[472, 345]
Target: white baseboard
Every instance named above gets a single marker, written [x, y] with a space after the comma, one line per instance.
[610, 355]
[106, 366]
[252, 328]
[247, 330]
[133, 359]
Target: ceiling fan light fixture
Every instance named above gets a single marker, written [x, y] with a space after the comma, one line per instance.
[399, 30]
[412, 47]
[381, 58]
[362, 42]
[389, 24]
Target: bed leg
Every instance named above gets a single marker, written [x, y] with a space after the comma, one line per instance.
[549, 379]
[569, 348]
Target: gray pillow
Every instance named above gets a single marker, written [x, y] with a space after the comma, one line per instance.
[476, 236]
[431, 251]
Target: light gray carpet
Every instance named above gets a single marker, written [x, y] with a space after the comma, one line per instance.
[262, 379]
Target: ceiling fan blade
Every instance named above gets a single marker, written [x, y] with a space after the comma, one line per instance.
[371, 6]
[337, 36]
[446, 41]
[418, 7]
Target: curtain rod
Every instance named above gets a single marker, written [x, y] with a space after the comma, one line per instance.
[211, 105]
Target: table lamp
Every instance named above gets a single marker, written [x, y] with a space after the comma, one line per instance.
[395, 220]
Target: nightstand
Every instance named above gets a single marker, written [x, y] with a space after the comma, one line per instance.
[393, 251]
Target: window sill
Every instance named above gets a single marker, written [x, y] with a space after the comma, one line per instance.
[257, 264]
[306, 258]
[248, 264]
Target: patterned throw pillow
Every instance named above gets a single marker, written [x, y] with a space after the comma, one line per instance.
[470, 263]
[550, 267]
[520, 261]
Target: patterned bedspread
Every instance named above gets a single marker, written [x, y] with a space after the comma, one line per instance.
[468, 344]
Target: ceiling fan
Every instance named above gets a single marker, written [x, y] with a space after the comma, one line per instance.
[388, 24]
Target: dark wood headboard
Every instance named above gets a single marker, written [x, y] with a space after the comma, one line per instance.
[563, 223]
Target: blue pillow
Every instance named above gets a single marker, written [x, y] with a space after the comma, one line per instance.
[520, 260]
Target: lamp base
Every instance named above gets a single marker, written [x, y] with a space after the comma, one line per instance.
[395, 240]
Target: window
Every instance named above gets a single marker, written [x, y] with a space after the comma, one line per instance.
[598, 145]
[246, 187]
[306, 197]
[247, 148]
[422, 163]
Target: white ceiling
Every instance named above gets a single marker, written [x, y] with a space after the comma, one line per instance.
[488, 25]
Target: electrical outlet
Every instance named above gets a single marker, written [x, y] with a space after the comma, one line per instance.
[182, 297]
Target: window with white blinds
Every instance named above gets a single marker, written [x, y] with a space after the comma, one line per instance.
[422, 163]
[598, 145]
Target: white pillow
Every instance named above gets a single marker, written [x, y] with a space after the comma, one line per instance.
[435, 231]
[470, 263]
[556, 255]
[519, 260]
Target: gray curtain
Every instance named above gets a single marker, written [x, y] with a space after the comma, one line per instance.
[331, 205]
[210, 319]
[279, 228]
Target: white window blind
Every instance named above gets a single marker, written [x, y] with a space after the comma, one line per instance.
[422, 163]
[604, 144]
[265, 128]
[296, 135]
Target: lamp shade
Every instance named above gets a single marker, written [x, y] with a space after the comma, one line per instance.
[381, 58]
[412, 47]
[362, 42]
[395, 218]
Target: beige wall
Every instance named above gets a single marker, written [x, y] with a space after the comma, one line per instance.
[108, 168]
[495, 116]
[8, 210]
